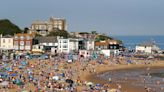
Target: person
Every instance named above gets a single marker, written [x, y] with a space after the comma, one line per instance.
[110, 79]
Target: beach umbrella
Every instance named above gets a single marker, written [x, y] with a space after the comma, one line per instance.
[14, 74]
[55, 78]
[24, 63]
[98, 85]
[9, 69]
[129, 61]
[5, 83]
[18, 82]
[89, 84]
[69, 81]
[150, 57]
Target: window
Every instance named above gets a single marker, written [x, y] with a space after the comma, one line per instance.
[27, 42]
[22, 37]
[64, 46]
[15, 42]
[16, 37]
[65, 41]
[9, 40]
[3, 40]
[111, 47]
[28, 37]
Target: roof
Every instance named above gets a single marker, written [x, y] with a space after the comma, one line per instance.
[106, 42]
[47, 39]
[150, 44]
[7, 36]
[24, 34]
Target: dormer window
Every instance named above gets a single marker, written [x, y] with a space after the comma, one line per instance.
[22, 37]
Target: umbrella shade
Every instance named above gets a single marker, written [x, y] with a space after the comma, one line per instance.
[56, 78]
[69, 81]
[5, 83]
[89, 84]
[13, 74]
[98, 85]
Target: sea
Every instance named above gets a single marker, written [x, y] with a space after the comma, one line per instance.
[131, 41]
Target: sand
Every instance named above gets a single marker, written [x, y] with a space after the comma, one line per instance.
[125, 87]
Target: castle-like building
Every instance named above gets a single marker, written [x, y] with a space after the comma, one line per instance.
[45, 27]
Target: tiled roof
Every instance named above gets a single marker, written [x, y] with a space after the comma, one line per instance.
[47, 39]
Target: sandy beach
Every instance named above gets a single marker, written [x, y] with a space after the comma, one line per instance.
[44, 70]
[125, 87]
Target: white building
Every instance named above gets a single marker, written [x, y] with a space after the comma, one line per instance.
[147, 48]
[90, 45]
[67, 45]
[108, 47]
[6, 42]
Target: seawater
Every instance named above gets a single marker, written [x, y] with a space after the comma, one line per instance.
[138, 77]
[131, 41]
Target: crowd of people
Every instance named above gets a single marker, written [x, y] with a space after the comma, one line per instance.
[49, 75]
[54, 74]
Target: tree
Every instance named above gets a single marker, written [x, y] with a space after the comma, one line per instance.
[62, 33]
[26, 29]
[94, 32]
[7, 27]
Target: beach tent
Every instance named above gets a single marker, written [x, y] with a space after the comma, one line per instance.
[129, 61]
[21, 67]
[98, 84]
[69, 81]
[5, 83]
[18, 82]
[9, 69]
[55, 78]
[24, 63]
[14, 74]
[3, 75]
[89, 84]
[150, 57]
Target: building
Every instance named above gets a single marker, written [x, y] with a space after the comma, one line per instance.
[108, 47]
[148, 47]
[6, 42]
[23, 42]
[68, 45]
[37, 49]
[48, 44]
[45, 27]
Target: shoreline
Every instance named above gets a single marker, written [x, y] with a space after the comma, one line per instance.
[101, 69]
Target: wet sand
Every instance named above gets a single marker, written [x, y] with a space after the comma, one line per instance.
[126, 87]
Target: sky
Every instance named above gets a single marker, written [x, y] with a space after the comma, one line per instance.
[111, 17]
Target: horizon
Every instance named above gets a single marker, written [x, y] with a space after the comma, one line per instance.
[128, 17]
